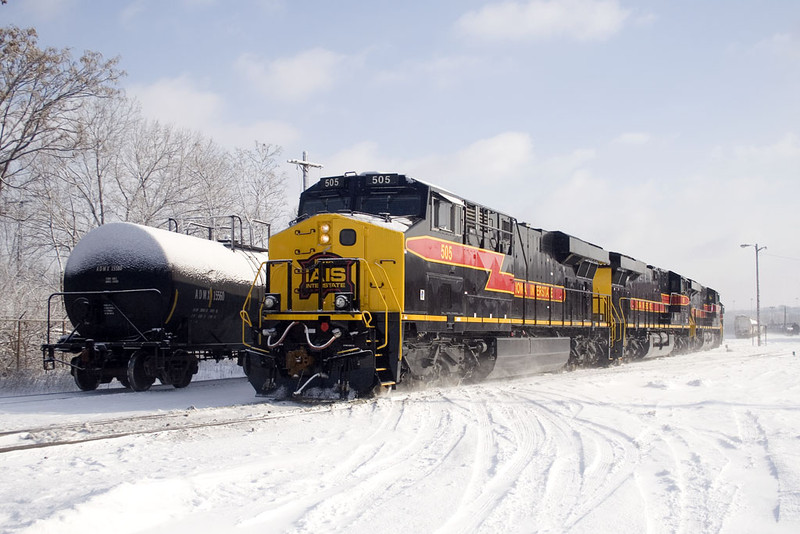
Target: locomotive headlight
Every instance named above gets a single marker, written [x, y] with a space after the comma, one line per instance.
[324, 233]
[272, 301]
[342, 301]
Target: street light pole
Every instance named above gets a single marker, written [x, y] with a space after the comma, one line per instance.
[758, 289]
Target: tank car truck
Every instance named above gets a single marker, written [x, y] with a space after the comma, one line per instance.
[147, 303]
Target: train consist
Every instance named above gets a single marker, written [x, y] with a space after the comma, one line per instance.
[147, 303]
[385, 279]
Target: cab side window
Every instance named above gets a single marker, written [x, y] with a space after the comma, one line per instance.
[445, 215]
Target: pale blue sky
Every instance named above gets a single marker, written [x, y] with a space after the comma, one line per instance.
[665, 129]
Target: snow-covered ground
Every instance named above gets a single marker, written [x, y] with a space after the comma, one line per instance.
[707, 442]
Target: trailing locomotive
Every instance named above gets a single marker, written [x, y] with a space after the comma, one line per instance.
[386, 279]
[148, 303]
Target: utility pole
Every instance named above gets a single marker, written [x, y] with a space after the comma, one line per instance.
[758, 290]
[304, 164]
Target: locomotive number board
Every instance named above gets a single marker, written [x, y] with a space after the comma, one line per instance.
[379, 180]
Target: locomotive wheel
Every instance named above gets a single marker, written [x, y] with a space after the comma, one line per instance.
[85, 380]
[138, 378]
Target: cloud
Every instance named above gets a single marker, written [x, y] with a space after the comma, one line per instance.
[361, 157]
[293, 78]
[500, 157]
[632, 138]
[783, 45]
[776, 163]
[177, 101]
[503, 155]
[47, 9]
[581, 20]
[446, 72]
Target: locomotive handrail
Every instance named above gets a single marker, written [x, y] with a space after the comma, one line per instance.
[267, 266]
[386, 304]
[618, 316]
[246, 321]
[322, 261]
[573, 291]
[333, 261]
[394, 294]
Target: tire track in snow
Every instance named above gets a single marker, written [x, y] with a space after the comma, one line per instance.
[533, 437]
[602, 460]
[359, 483]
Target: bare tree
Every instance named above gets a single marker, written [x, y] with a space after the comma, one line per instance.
[41, 90]
[90, 170]
[260, 187]
[210, 176]
[71, 192]
[151, 180]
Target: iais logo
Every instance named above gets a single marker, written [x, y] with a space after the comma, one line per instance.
[325, 272]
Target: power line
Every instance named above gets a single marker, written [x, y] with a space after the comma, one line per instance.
[781, 257]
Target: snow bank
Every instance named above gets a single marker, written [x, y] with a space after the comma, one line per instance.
[705, 442]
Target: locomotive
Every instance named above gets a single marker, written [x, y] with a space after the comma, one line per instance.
[148, 303]
[385, 279]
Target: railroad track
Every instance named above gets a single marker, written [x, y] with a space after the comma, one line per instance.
[109, 429]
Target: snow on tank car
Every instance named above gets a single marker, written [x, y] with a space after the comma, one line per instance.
[148, 303]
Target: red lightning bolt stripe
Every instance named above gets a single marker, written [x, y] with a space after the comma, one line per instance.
[449, 253]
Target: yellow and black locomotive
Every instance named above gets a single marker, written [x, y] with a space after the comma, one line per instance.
[385, 279]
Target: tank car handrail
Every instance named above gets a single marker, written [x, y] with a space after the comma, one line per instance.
[103, 292]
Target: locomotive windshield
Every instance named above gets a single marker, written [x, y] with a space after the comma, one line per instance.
[378, 194]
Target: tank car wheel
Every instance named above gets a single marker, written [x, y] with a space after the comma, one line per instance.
[186, 369]
[85, 380]
[138, 378]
